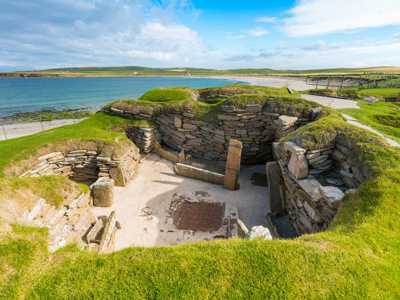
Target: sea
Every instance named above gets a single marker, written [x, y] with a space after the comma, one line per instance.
[35, 94]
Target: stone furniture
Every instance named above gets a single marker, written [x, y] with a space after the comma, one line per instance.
[314, 182]
[103, 192]
[88, 164]
[232, 170]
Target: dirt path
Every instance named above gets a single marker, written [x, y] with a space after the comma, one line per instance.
[143, 206]
[342, 104]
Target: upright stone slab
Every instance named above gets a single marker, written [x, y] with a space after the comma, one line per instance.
[274, 187]
[103, 192]
[232, 169]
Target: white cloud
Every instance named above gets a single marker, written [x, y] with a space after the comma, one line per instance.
[257, 32]
[266, 19]
[322, 55]
[101, 32]
[315, 17]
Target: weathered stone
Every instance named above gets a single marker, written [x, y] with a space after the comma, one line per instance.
[260, 232]
[274, 179]
[108, 236]
[233, 165]
[311, 212]
[286, 121]
[294, 148]
[177, 122]
[312, 187]
[332, 194]
[298, 166]
[198, 173]
[103, 192]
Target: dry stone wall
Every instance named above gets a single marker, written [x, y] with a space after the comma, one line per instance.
[255, 125]
[83, 165]
[314, 182]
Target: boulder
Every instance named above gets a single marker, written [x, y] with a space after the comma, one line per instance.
[103, 192]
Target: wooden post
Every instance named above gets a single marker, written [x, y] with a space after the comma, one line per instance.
[232, 170]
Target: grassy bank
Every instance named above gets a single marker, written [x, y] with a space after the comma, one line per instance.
[356, 258]
[99, 127]
[382, 116]
[359, 93]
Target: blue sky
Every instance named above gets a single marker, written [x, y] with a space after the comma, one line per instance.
[280, 34]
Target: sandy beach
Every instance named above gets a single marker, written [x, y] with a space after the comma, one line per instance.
[297, 84]
[10, 131]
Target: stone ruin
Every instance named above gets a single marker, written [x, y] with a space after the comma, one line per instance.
[257, 126]
[309, 185]
[74, 221]
[88, 165]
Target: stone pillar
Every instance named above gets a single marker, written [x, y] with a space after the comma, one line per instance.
[274, 188]
[103, 192]
[232, 168]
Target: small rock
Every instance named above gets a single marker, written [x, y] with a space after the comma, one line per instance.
[260, 232]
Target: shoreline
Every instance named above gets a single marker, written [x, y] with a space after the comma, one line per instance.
[14, 128]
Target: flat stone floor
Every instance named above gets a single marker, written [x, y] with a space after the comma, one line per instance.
[142, 207]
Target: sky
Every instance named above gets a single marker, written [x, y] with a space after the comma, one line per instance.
[223, 34]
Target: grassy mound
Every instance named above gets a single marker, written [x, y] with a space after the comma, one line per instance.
[161, 95]
[207, 102]
[356, 258]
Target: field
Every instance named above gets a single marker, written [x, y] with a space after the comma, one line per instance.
[144, 71]
[381, 92]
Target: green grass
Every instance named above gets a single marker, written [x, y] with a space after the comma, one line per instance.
[206, 103]
[381, 92]
[383, 116]
[356, 258]
[100, 127]
[161, 95]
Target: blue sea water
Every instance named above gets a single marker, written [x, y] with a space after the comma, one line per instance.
[33, 94]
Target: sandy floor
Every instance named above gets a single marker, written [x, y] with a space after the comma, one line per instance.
[11, 131]
[142, 207]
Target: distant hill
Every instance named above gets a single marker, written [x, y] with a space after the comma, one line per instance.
[146, 71]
